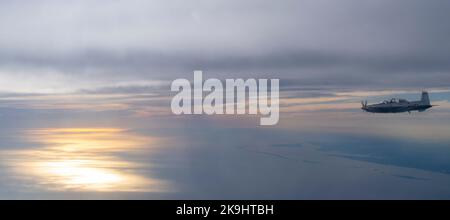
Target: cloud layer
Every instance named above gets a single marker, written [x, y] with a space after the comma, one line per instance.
[350, 43]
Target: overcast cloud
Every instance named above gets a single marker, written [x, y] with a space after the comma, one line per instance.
[83, 44]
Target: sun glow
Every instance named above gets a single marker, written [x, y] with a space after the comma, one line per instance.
[85, 159]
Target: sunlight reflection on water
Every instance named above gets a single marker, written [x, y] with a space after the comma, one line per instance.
[83, 159]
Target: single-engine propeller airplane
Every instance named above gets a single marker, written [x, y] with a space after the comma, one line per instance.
[400, 105]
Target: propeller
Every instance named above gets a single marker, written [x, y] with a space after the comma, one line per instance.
[364, 103]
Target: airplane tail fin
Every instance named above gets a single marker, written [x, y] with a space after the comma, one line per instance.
[425, 99]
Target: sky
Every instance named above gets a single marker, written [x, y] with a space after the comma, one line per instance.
[50, 46]
[85, 99]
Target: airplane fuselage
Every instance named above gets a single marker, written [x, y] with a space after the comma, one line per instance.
[398, 106]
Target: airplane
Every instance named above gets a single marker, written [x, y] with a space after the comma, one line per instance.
[398, 106]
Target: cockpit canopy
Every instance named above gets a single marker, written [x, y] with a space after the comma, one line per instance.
[395, 101]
